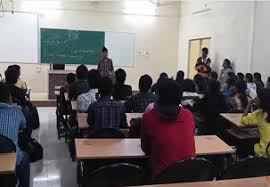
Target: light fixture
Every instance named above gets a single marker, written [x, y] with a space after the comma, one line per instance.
[140, 7]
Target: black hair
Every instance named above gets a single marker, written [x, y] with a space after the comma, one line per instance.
[240, 76]
[205, 49]
[264, 96]
[104, 50]
[214, 75]
[257, 76]
[169, 93]
[229, 63]
[249, 77]
[82, 72]
[70, 78]
[163, 75]
[120, 76]
[105, 86]
[12, 75]
[4, 93]
[188, 86]
[145, 83]
[94, 79]
[180, 76]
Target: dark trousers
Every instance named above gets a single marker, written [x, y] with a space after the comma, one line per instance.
[23, 172]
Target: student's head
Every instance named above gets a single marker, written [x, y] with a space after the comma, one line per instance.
[204, 52]
[213, 75]
[120, 76]
[188, 86]
[227, 64]
[105, 87]
[169, 93]
[145, 83]
[93, 79]
[5, 95]
[104, 53]
[249, 77]
[163, 75]
[257, 76]
[240, 76]
[180, 76]
[12, 75]
[213, 87]
[18, 68]
[263, 100]
[82, 72]
[71, 77]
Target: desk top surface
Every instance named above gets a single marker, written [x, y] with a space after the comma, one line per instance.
[234, 118]
[247, 182]
[7, 163]
[131, 148]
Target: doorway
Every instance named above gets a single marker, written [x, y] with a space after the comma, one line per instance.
[195, 48]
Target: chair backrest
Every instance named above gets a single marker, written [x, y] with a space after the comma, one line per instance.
[107, 133]
[250, 167]
[116, 175]
[191, 170]
[6, 145]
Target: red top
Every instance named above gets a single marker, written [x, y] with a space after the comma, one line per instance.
[167, 141]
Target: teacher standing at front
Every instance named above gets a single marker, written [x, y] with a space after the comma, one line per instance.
[105, 65]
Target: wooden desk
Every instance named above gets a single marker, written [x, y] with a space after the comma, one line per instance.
[247, 182]
[87, 149]
[233, 118]
[7, 163]
[131, 116]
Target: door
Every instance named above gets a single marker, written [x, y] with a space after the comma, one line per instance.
[195, 48]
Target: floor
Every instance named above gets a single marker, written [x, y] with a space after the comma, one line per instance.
[56, 169]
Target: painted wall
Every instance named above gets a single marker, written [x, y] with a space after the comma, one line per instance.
[229, 24]
[157, 35]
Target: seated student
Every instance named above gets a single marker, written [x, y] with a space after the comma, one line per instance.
[251, 86]
[261, 118]
[18, 95]
[80, 85]
[189, 86]
[20, 83]
[70, 79]
[84, 100]
[238, 99]
[167, 132]
[121, 91]
[139, 102]
[180, 77]
[11, 121]
[201, 84]
[258, 80]
[163, 76]
[240, 76]
[105, 112]
[210, 107]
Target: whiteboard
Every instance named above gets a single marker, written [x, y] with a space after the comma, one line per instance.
[121, 47]
[19, 38]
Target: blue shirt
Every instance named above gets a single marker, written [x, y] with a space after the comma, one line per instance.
[106, 113]
[11, 121]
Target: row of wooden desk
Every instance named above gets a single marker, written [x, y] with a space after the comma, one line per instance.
[7, 163]
[87, 149]
[247, 182]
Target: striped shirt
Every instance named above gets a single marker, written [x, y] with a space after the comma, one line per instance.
[106, 113]
[11, 121]
[105, 68]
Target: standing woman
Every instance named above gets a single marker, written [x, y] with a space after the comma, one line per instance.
[105, 66]
[224, 74]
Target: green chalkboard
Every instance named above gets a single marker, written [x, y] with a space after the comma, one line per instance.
[59, 46]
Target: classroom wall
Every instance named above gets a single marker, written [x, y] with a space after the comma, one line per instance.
[157, 35]
[229, 25]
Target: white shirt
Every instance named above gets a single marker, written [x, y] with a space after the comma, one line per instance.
[252, 90]
[85, 99]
